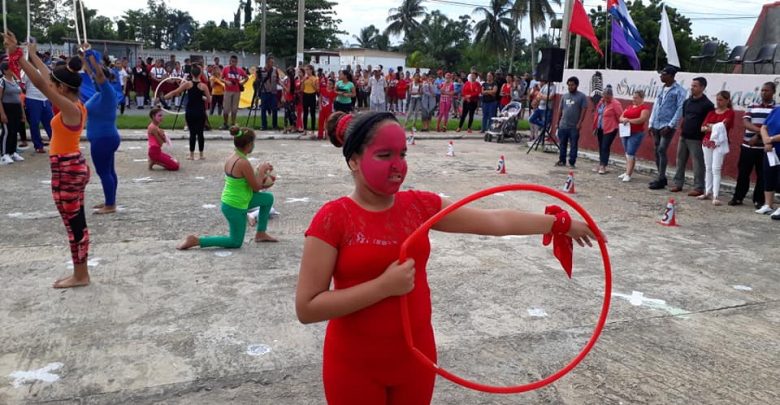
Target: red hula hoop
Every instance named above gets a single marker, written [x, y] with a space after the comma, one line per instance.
[423, 230]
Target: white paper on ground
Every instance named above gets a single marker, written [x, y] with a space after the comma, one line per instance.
[625, 130]
[773, 159]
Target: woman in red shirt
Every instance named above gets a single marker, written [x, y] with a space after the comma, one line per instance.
[637, 116]
[354, 242]
[471, 91]
[506, 91]
[400, 90]
[715, 144]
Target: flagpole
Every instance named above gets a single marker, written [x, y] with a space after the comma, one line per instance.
[656, 54]
[577, 52]
[607, 50]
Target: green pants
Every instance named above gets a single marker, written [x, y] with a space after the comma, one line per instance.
[237, 222]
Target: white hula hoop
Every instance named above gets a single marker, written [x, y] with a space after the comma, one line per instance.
[158, 89]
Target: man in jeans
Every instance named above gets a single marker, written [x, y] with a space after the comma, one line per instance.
[269, 78]
[695, 109]
[666, 114]
[573, 106]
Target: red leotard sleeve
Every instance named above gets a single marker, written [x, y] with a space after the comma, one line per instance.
[328, 224]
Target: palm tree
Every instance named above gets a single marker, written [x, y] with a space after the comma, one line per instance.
[519, 11]
[538, 13]
[493, 29]
[367, 37]
[404, 19]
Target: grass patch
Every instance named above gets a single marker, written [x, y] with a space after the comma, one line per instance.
[142, 121]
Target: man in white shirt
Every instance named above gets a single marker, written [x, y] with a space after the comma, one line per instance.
[378, 85]
[39, 111]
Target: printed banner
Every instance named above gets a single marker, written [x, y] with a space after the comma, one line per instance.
[745, 88]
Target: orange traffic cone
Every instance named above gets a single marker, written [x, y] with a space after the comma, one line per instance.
[501, 165]
[451, 149]
[670, 214]
[568, 187]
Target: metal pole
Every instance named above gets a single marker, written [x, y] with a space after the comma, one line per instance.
[262, 29]
[577, 52]
[301, 21]
[28, 21]
[565, 35]
[5, 13]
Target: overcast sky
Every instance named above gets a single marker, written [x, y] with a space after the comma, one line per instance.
[720, 17]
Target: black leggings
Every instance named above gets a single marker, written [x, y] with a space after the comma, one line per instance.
[11, 131]
[469, 107]
[216, 103]
[309, 106]
[196, 123]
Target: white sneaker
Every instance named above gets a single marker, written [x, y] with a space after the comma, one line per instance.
[17, 158]
[776, 214]
[626, 178]
[623, 175]
[6, 160]
[765, 210]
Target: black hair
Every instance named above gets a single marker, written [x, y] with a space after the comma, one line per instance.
[195, 71]
[68, 74]
[246, 137]
[702, 81]
[574, 80]
[4, 66]
[234, 57]
[771, 85]
[358, 132]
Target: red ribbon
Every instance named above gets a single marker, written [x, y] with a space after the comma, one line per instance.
[563, 246]
[13, 62]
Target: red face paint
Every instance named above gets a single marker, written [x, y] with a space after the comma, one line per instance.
[383, 163]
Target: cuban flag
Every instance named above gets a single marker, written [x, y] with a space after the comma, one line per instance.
[618, 10]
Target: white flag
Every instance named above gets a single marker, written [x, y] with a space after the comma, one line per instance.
[667, 40]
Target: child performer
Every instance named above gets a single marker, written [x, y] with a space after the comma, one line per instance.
[241, 192]
[326, 107]
[355, 240]
[157, 138]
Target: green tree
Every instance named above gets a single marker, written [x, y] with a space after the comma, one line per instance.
[493, 30]
[403, 19]
[538, 13]
[370, 37]
[321, 28]
[440, 38]
[519, 10]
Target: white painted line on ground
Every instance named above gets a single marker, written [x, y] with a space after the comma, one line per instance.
[200, 178]
[140, 160]
[93, 262]
[742, 288]
[258, 350]
[638, 299]
[223, 253]
[209, 206]
[331, 175]
[34, 215]
[134, 148]
[537, 312]
[442, 195]
[42, 374]
[295, 200]
[45, 181]
[143, 180]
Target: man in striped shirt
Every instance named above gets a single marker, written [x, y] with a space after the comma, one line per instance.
[751, 154]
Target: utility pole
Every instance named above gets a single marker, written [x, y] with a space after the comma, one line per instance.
[565, 34]
[263, 10]
[301, 21]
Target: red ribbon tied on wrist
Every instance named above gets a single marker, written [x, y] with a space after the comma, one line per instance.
[563, 246]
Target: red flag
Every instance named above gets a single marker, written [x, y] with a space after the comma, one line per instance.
[580, 25]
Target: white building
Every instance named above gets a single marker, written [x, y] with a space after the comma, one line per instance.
[331, 61]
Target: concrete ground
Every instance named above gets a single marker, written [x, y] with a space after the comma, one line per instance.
[695, 309]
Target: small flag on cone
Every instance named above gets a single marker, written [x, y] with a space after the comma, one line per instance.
[451, 149]
[501, 165]
[568, 187]
[670, 214]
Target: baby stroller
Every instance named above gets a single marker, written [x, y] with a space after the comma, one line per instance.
[505, 125]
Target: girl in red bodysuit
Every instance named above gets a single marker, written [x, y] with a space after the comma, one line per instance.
[355, 241]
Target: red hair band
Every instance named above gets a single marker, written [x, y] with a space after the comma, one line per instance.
[341, 127]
